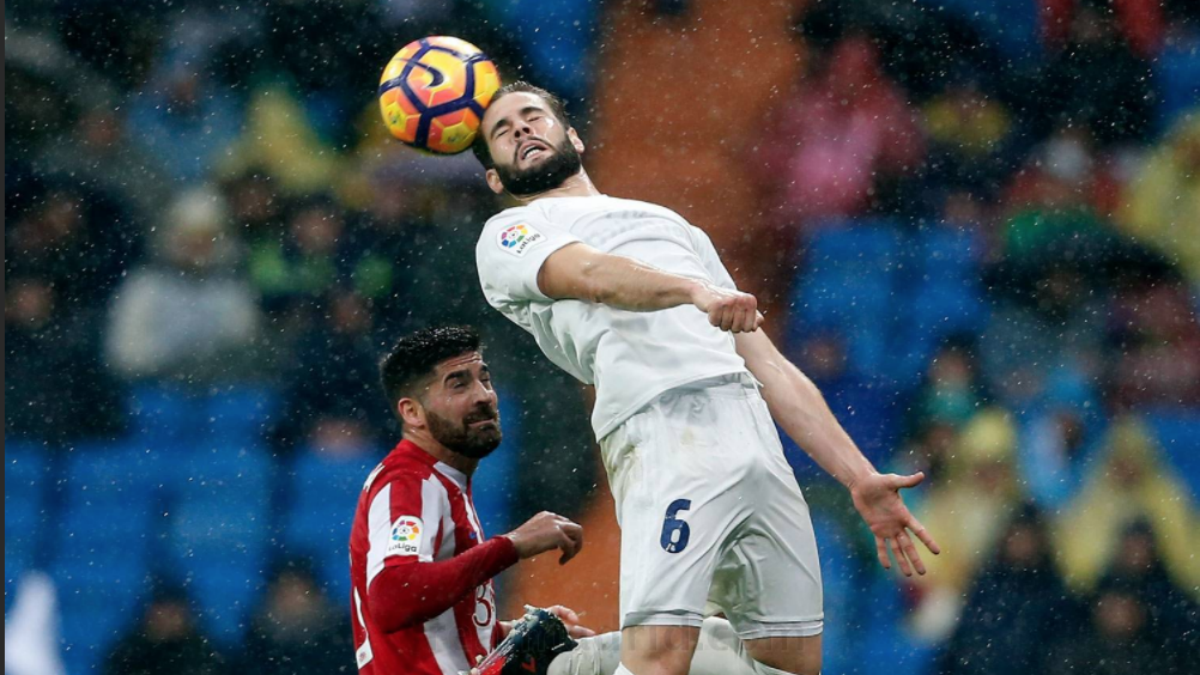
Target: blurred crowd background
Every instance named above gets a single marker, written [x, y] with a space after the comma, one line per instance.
[975, 224]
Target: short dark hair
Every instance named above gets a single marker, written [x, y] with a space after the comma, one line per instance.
[557, 106]
[415, 357]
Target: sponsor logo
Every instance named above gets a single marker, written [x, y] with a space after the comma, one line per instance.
[519, 238]
[407, 533]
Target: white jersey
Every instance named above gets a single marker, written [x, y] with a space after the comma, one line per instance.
[631, 357]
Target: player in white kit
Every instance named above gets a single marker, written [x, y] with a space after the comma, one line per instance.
[630, 297]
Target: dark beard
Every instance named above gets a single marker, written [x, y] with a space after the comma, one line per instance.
[563, 163]
[461, 438]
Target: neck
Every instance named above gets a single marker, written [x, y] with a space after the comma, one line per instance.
[424, 440]
[579, 185]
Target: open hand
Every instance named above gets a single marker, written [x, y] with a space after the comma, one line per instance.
[877, 498]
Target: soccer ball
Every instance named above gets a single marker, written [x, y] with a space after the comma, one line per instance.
[434, 91]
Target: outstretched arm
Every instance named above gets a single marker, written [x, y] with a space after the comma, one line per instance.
[580, 272]
[799, 408]
[408, 595]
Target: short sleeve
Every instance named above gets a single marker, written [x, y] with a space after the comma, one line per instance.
[510, 254]
[712, 261]
[405, 522]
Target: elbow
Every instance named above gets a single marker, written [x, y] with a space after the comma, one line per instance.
[391, 607]
[394, 619]
[591, 285]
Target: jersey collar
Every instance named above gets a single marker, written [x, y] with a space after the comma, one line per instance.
[410, 449]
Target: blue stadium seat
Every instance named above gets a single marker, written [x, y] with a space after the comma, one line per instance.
[949, 293]
[323, 493]
[850, 287]
[944, 296]
[1178, 433]
[1178, 73]
[238, 415]
[163, 416]
[218, 535]
[98, 598]
[107, 528]
[25, 467]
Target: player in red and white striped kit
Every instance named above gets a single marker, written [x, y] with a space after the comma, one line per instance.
[423, 602]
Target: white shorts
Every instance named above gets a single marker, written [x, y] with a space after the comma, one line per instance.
[710, 511]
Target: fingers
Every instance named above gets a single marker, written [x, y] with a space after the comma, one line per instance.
[750, 321]
[734, 312]
[579, 632]
[728, 318]
[567, 614]
[907, 481]
[881, 552]
[571, 620]
[572, 542]
[923, 534]
[910, 552]
[759, 319]
[904, 566]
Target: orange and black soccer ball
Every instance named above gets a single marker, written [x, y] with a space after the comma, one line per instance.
[434, 91]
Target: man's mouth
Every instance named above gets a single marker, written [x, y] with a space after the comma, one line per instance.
[482, 421]
[532, 149]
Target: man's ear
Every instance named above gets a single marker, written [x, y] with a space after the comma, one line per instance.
[411, 412]
[493, 181]
[575, 140]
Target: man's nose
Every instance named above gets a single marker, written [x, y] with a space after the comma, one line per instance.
[485, 394]
[522, 129]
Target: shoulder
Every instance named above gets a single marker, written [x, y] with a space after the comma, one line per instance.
[399, 473]
[526, 234]
[496, 227]
[527, 213]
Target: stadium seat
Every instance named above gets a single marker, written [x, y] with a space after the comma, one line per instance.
[1178, 433]
[107, 527]
[323, 496]
[24, 510]
[98, 596]
[219, 527]
[943, 296]
[238, 415]
[1178, 72]
[849, 287]
[162, 416]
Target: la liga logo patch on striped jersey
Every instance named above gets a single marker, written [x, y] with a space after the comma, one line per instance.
[407, 534]
[518, 239]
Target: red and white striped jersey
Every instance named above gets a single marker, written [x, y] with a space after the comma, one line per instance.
[414, 510]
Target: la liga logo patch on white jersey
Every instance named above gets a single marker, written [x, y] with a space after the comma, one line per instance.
[407, 534]
[518, 239]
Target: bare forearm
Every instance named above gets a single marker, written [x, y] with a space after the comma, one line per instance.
[798, 406]
[625, 283]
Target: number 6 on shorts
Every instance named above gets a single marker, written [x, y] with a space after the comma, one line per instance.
[675, 532]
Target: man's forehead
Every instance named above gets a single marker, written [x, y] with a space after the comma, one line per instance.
[459, 362]
[511, 103]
